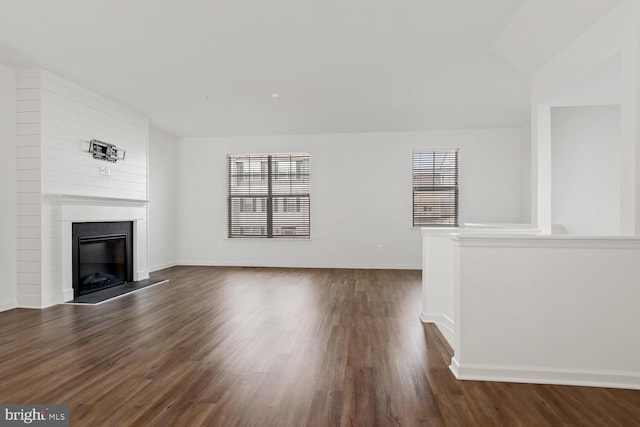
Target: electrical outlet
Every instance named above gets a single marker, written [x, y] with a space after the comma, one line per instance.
[103, 171]
[380, 247]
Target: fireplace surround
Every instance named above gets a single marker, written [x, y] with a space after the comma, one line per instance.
[70, 209]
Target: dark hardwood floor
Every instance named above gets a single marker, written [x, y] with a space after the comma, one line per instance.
[270, 347]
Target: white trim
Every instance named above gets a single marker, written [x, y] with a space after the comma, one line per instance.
[481, 229]
[443, 322]
[50, 299]
[547, 241]
[29, 301]
[141, 275]
[9, 306]
[97, 209]
[496, 225]
[455, 368]
[70, 199]
[278, 265]
[162, 267]
[119, 296]
[67, 294]
[532, 374]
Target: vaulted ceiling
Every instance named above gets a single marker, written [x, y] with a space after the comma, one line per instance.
[213, 67]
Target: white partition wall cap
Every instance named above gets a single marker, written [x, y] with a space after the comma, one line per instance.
[547, 241]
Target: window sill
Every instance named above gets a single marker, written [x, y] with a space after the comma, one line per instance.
[303, 239]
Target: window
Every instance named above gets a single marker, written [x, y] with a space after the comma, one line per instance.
[239, 172]
[287, 204]
[435, 188]
[268, 195]
[263, 170]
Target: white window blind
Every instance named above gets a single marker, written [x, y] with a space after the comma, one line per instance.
[435, 188]
[269, 195]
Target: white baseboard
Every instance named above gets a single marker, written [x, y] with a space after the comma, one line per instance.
[8, 306]
[29, 301]
[161, 267]
[51, 298]
[443, 322]
[455, 368]
[67, 295]
[535, 375]
[305, 265]
[141, 275]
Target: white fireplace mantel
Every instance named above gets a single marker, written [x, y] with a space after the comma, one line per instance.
[74, 208]
[72, 199]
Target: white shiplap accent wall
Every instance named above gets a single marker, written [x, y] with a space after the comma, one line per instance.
[74, 116]
[29, 170]
[58, 119]
[8, 189]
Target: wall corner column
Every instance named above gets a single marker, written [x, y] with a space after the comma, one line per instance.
[541, 167]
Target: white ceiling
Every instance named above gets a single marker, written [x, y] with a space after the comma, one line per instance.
[541, 28]
[209, 67]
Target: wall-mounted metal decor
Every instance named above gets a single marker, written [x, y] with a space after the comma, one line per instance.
[105, 151]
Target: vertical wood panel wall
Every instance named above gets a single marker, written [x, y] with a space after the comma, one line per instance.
[56, 120]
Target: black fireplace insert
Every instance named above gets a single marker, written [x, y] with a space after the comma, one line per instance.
[102, 255]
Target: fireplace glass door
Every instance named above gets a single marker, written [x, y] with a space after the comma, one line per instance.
[102, 262]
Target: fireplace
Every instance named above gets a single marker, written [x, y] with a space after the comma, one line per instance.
[102, 255]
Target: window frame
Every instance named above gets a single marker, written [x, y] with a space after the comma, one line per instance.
[285, 195]
[450, 189]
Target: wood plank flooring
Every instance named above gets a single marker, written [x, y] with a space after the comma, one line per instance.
[270, 347]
